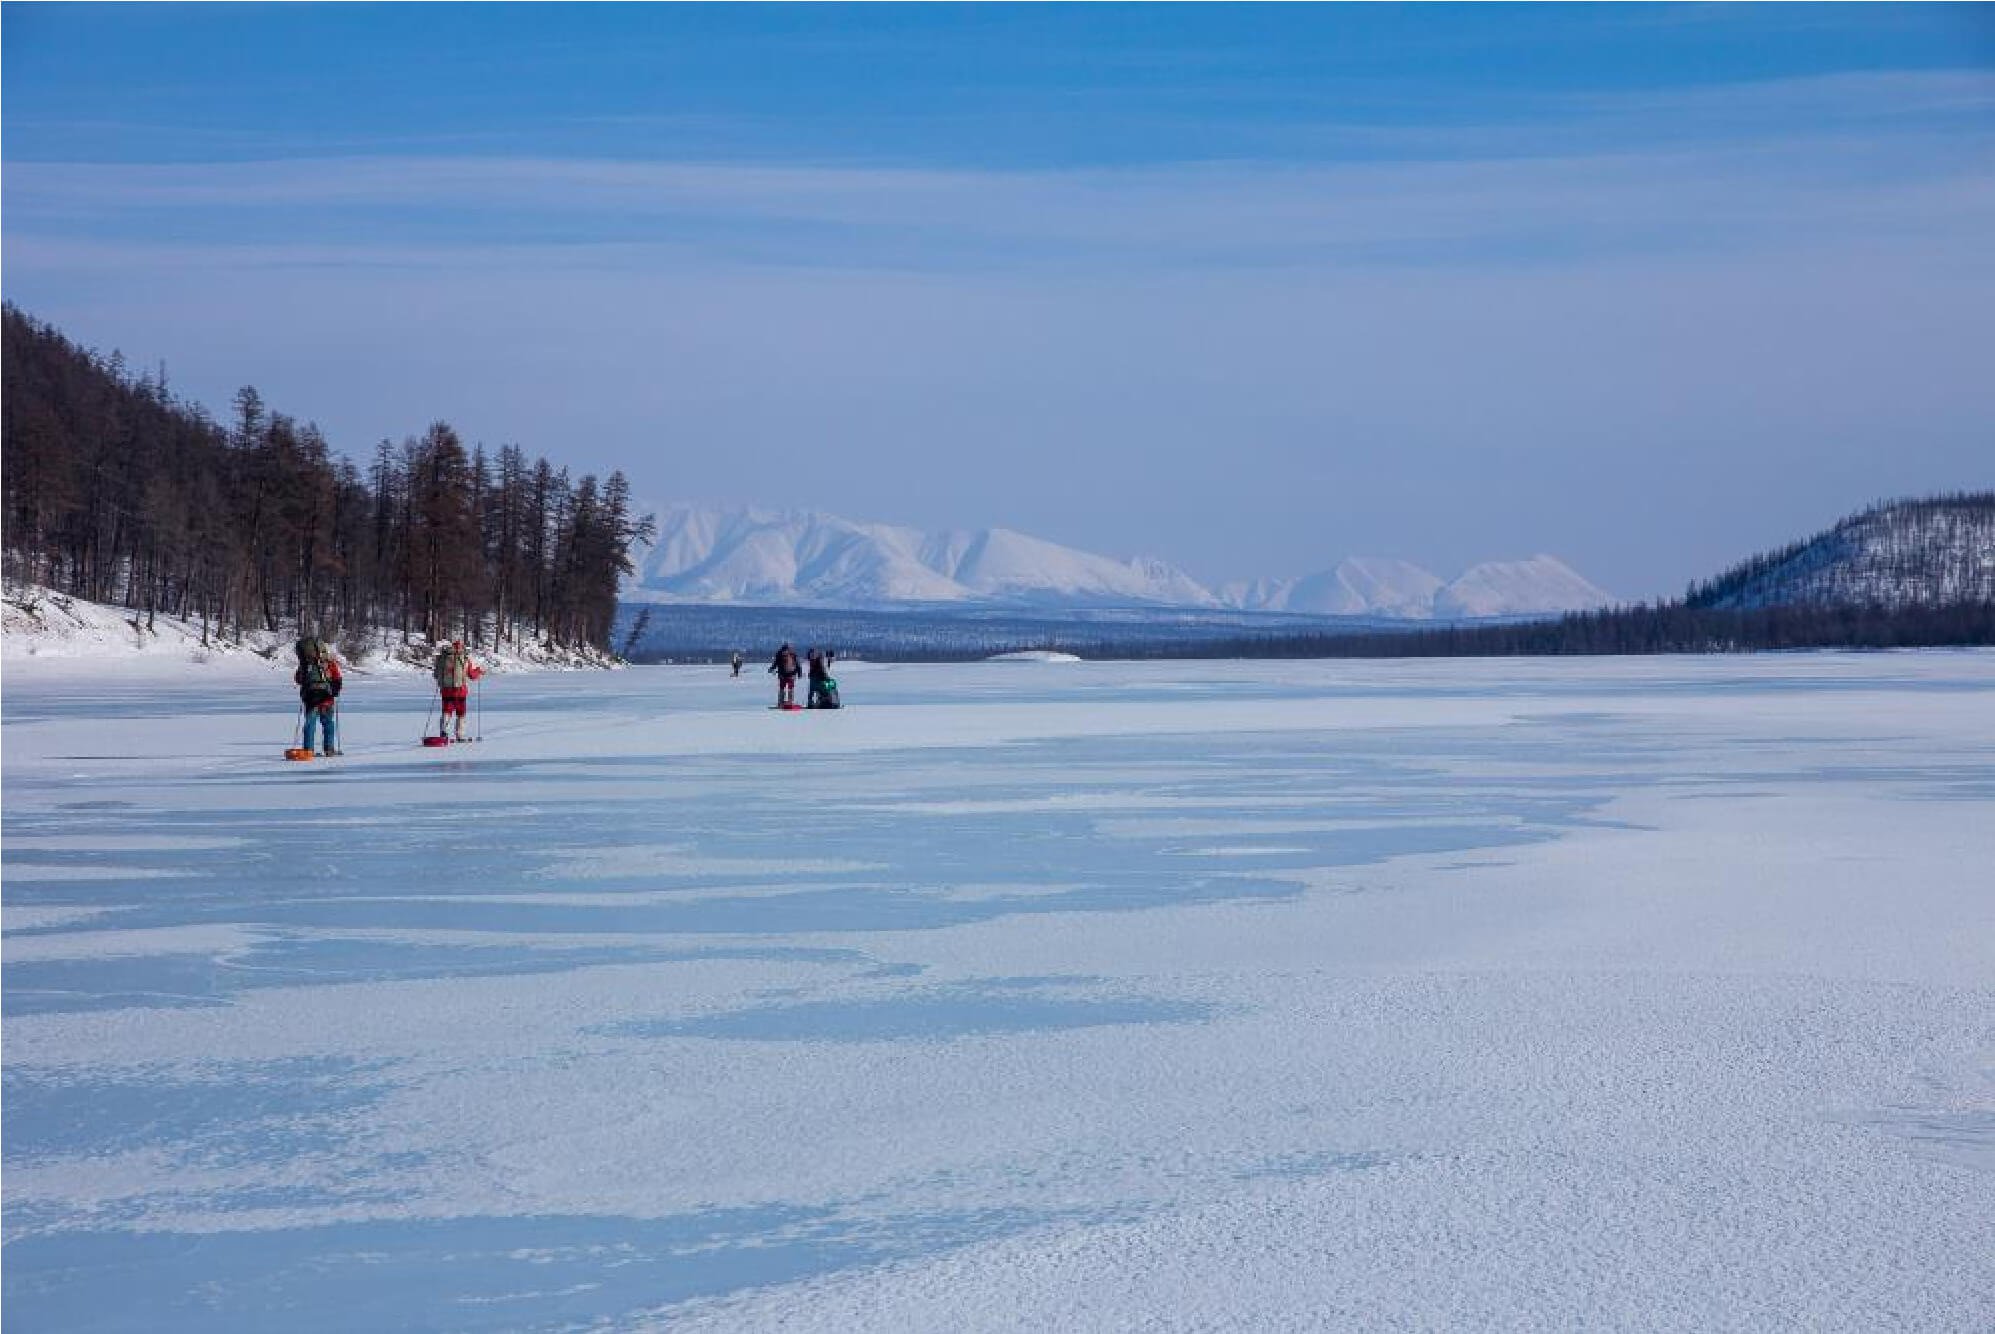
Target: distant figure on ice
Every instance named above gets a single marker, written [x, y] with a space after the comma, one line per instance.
[823, 690]
[737, 662]
[318, 680]
[454, 672]
[784, 665]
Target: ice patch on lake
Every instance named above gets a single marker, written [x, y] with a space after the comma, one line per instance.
[31, 871]
[16, 917]
[118, 843]
[958, 1010]
[203, 940]
[679, 859]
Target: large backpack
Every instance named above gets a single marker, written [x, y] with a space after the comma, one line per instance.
[452, 668]
[312, 665]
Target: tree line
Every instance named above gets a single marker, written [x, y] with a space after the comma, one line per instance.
[700, 635]
[1670, 627]
[117, 492]
[1642, 629]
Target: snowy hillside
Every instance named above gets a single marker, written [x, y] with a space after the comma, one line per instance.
[1360, 586]
[703, 555]
[1910, 553]
[1375, 586]
[758, 557]
[1518, 588]
[53, 633]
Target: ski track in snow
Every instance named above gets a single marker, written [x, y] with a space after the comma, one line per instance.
[1619, 994]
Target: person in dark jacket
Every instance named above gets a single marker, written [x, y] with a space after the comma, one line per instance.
[319, 681]
[814, 670]
[784, 665]
[823, 690]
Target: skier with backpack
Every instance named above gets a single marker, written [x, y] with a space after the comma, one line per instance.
[454, 672]
[319, 680]
[823, 690]
[784, 666]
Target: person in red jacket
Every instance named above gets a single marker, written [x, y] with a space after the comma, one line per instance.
[784, 667]
[454, 672]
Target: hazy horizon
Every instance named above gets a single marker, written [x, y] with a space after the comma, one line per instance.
[1248, 290]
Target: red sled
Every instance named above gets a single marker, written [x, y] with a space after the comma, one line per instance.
[436, 741]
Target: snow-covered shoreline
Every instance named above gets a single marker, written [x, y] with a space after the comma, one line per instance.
[49, 634]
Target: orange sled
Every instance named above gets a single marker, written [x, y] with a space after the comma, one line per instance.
[297, 753]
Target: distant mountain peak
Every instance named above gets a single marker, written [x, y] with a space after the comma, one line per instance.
[1517, 587]
[1381, 586]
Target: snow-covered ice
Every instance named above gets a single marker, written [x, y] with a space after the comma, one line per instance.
[1618, 994]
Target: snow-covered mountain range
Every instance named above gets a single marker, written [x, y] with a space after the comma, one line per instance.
[1375, 586]
[801, 557]
[711, 555]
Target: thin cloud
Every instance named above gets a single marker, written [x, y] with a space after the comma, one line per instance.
[1916, 180]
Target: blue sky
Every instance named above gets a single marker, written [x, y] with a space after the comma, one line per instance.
[1250, 288]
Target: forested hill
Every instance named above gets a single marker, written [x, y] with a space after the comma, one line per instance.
[1907, 553]
[118, 492]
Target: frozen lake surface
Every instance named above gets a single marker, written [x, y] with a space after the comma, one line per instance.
[1644, 994]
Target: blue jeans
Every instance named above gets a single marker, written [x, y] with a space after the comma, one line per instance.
[314, 718]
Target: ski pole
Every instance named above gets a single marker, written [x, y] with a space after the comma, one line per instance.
[298, 729]
[479, 730]
[426, 713]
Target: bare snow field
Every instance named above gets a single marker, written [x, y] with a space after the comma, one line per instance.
[1615, 994]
